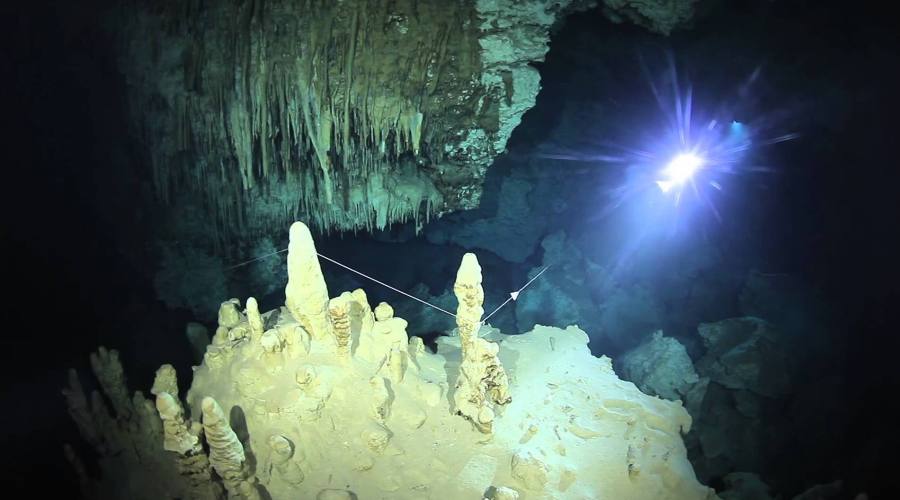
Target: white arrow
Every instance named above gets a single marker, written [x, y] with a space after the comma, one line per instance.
[366, 276]
[514, 295]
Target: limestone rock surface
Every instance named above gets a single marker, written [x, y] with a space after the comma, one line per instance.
[370, 413]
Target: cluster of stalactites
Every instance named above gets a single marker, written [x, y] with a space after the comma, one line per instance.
[329, 102]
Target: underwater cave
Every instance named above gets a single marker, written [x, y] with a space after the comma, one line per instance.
[474, 249]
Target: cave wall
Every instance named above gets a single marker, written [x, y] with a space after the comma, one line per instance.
[352, 115]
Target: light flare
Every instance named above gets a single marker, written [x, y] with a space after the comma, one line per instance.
[679, 171]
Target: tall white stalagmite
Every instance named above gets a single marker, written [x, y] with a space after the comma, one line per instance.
[482, 383]
[306, 295]
[470, 295]
[226, 453]
[254, 319]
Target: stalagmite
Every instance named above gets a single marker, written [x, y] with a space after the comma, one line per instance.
[323, 420]
[306, 293]
[166, 380]
[105, 423]
[254, 319]
[226, 453]
[296, 340]
[229, 314]
[362, 311]
[482, 381]
[470, 296]
[146, 421]
[81, 413]
[416, 346]
[183, 439]
[383, 311]
[339, 311]
[109, 373]
[179, 437]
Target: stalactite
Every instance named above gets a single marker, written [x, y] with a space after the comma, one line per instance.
[326, 97]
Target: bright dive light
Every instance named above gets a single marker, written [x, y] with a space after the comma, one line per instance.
[679, 171]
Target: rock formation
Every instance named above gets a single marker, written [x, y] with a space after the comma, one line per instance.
[661, 16]
[351, 114]
[360, 410]
[482, 383]
[743, 396]
[739, 402]
[660, 366]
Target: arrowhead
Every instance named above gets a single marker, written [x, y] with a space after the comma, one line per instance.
[514, 295]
